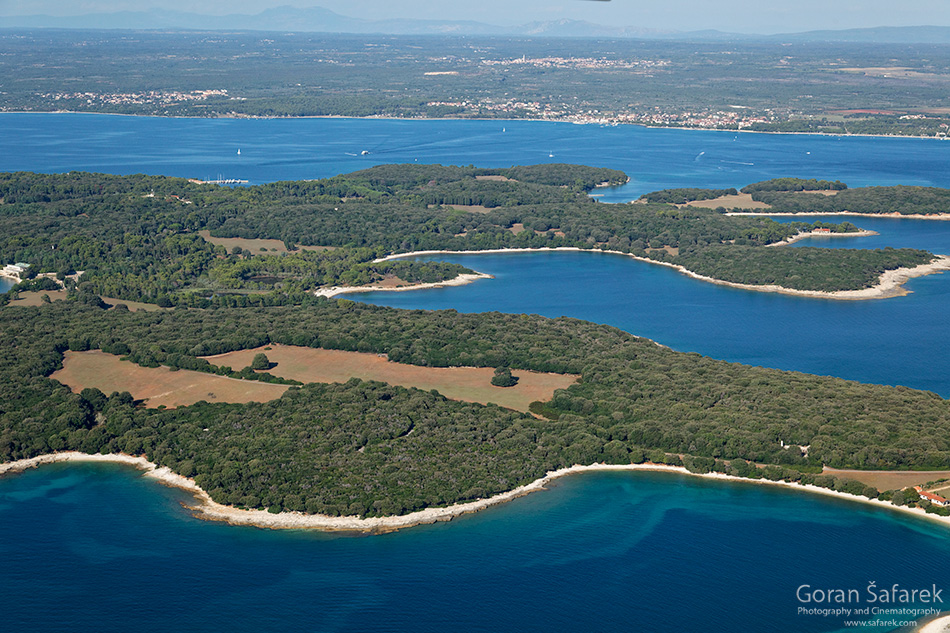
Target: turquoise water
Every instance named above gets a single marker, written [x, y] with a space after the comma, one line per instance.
[99, 548]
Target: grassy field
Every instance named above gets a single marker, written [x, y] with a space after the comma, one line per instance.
[134, 306]
[159, 386]
[739, 201]
[31, 298]
[256, 246]
[890, 480]
[469, 384]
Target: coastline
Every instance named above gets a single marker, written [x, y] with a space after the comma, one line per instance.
[890, 283]
[806, 235]
[941, 624]
[895, 216]
[206, 508]
[500, 119]
[461, 280]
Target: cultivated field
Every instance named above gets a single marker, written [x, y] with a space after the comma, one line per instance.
[159, 386]
[134, 306]
[469, 384]
[256, 246]
[890, 480]
[738, 201]
[35, 298]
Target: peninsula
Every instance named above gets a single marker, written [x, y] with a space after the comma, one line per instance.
[163, 240]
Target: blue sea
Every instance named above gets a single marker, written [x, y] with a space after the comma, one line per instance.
[97, 547]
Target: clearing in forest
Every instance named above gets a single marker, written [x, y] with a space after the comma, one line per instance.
[468, 384]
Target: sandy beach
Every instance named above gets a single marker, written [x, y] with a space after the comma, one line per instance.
[916, 216]
[807, 234]
[940, 625]
[890, 283]
[461, 280]
[206, 508]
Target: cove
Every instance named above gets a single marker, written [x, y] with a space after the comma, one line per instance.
[899, 341]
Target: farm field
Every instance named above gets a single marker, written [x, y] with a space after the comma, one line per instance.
[468, 384]
[158, 386]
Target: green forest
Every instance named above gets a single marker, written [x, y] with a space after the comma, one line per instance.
[371, 449]
[797, 195]
[136, 238]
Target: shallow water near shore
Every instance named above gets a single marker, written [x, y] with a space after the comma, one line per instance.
[96, 546]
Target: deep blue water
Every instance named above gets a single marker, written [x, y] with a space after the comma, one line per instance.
[100, 548]
[893, 341]
[290, 149]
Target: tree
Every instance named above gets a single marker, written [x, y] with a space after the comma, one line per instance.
[260, 361]
[96, 399]
[503, 378]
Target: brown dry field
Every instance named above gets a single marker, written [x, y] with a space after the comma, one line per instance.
[134, 306]
[890, 479]
[739, 201]
[471, 208]
[942, 489]
[495, 178]
[256, 246]
[159, 386]
[672, 250]
[31, 298]
[468, 384]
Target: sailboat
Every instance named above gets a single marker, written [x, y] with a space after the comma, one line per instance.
[239, 151]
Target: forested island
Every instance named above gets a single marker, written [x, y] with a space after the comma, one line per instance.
[793, 196]
[371, 449]
[152, 239]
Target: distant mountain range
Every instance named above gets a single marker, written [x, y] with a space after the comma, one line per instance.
[320, 20]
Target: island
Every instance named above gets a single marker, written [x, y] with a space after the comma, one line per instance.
[200, 342]
[173, 242]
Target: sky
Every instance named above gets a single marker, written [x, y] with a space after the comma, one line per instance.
[738, 16]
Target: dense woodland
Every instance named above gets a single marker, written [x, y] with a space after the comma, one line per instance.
[368, 448]
[136, 237]
[794, 195]
[901, 199]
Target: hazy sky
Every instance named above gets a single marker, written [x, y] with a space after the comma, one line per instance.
[759, 16]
